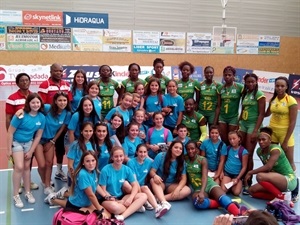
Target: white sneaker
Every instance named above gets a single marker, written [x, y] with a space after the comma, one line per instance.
[160, 211]
[20, 190]
[142, 209]
[48, 190]
[119, 217]
[29, 197]
[148, 206]
[166, 205]
[49, 198]
[61, 192]
[61, 176]
[33, 186]
[18, 202]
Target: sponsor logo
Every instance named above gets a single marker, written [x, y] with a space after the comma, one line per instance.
[2, 73]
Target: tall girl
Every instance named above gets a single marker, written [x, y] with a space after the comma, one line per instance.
[215, 151]
[78, 147]
[116, 127]
[187, 87]
[111, 181]
[23, 136]
[229, 96]
[127, 85]
[158, 136]
[158, 66]
[78, 88]
[103, 144]
[123, 108]
[57, 115]
[85, 112]
[141, 165]
[235, 165]
[154, 100]
[131, 141]
[174, 109]
[82, 192]
[93, 92]
[168, 175]
[139, 118]
[283, 110]
[208, 95]
[194, 121]
[252, 115]
[107, 88]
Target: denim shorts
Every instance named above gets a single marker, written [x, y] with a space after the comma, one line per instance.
[21, 146]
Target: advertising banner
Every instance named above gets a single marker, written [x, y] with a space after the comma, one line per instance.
[42, 18]
[2, 38]
[85, 20]
[172, 42]
[294, 83]
[117, 41]
[198, 43]
[55, 39]
[87, 39]
[10, 17]
[23, 38]
[145, 41]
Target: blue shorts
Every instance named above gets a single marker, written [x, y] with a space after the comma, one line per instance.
[232, 176]
[21, 146]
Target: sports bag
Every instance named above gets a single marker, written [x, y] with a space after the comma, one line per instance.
[73, 217]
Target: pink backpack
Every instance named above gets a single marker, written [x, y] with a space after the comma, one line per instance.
[73, 217]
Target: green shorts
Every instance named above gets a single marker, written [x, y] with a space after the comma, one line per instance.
[247, 127]
[234, 121]
[291, 181]
[210, 185]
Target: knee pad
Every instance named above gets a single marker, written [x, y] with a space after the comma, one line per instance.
[203, 205]
[225, 201]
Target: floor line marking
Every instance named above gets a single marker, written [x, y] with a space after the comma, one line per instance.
[54, 206]
[28, 209]
[2, 212]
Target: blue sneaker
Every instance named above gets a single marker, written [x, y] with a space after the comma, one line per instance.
[246, 190]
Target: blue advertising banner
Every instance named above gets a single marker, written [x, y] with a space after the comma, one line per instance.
[197, 75]
[145, 49]
[294, 83]
[92, 72]
[85, 20]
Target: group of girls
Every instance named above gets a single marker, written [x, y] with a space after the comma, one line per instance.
[183, 113]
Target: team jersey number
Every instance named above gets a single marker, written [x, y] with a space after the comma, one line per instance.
[106, 104]
[207, 105]
[245, 115]
[226, 107]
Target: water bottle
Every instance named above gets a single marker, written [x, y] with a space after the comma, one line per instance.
[287, 197]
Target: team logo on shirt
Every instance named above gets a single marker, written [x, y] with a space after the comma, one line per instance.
[60, 122]
[196, 166]
[180, 85]
[190, 85]
[145, 171]
[122, 180]
[162, 135]
[38, 123]
[111, 87]
[233, 91]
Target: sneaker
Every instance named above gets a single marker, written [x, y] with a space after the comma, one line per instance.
[160, 211]
[246, 190]
[18, 202]
[119, 217]
[52, 183]
[48, 190]
[166, 205]
[49, 198]
[148, 206]
[61, 176]
[142, 209]
[20, 190]
[60, 194]
[33, 186]
[29, 197]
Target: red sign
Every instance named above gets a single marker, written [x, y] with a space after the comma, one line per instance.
[40, 18]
